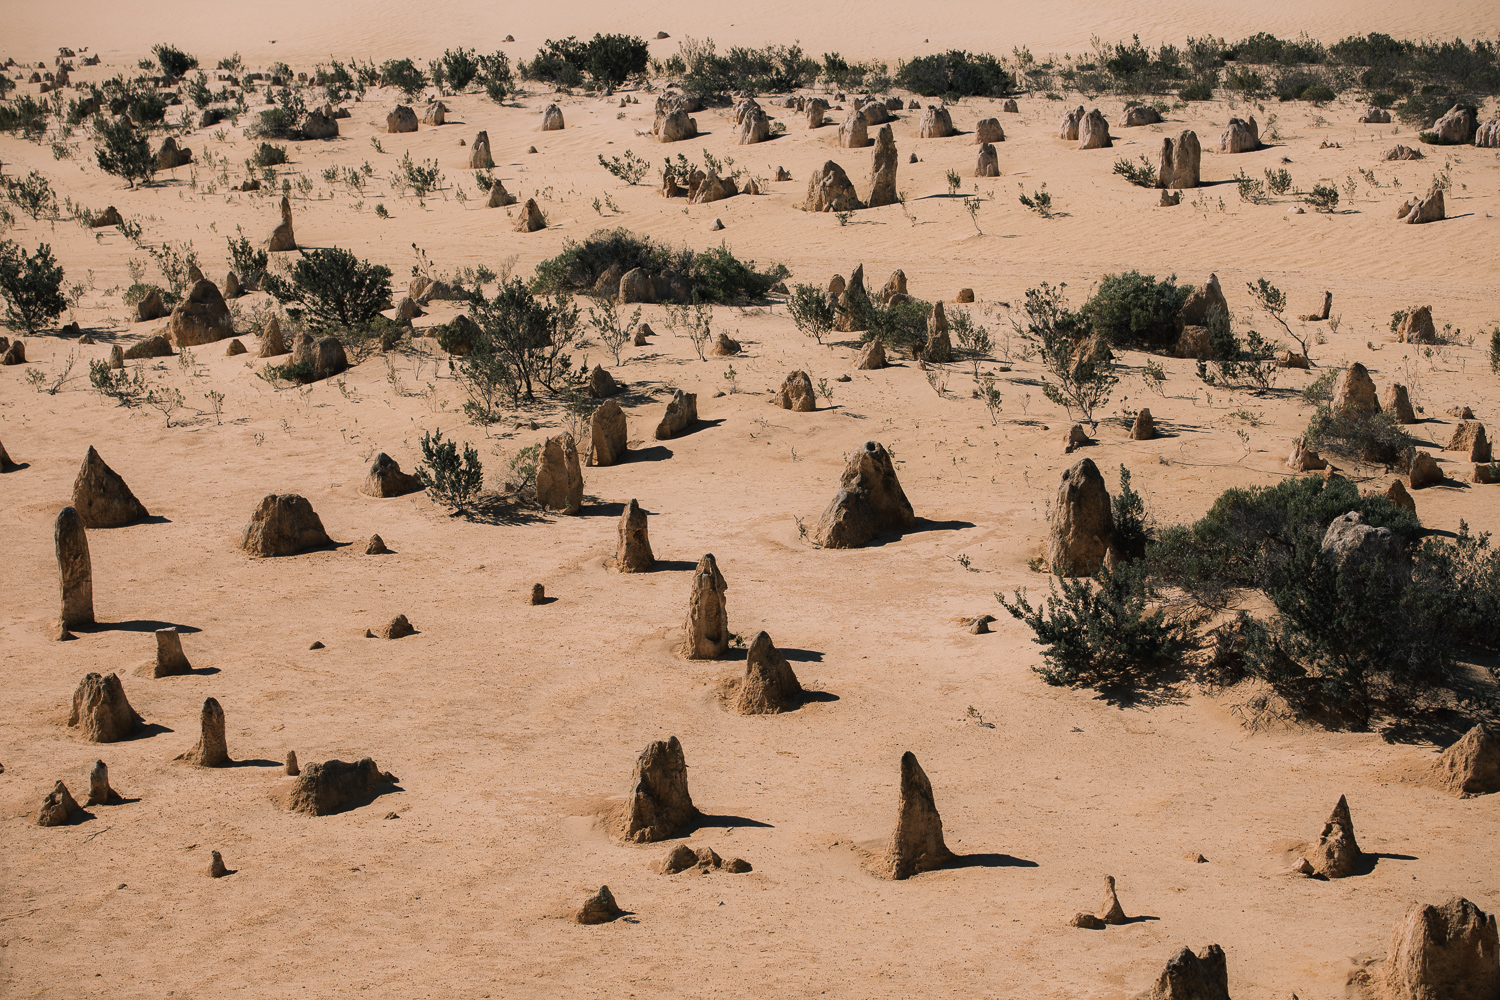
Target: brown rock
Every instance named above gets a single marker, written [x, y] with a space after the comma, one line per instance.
[538, 594]
[939, 348]
[397, 628]
[216, 867]
[58, 808]
[1239, 136]
[109, 217]
[854, 131]
[1010, 107]
[1397, 403]
[1461, 412]
[116, 357]
[1488, 135]
[317, 125]
[170, 157]
[1204, 976]
[100, 794]
[600, 908]
[1457, 127]
[916, 845]
[1354, 392]
[769, 685]
[1399, 152]
[751, 123]
[171, 661]
[1422, 209]
[707, 625]
[5, 463]
[75, 571]
[100, 712]
[681, 413]
[1472, 765]
[282, 237]
[1093, 131]
[870, 501]
[1303, 458]
[607, 432]
[271, 344]
[725, 346]
[101, 497]
[283, 525]
[658, 804]
[602, 384]
[376, 547]
[797, 394]
[980, 624]
[1375, 116]
[883, 169]
[499, 197]
[291, 763]
[1087, 921]
[1144, 428]
[436, 113]
[552, 118]
[1469, 437]
[1179, 162]
[1077, 438]
[1486, 473]
[202, 317]
[236, 347]
[531, 218]
[401, 118]
[935, 123]
[150, 307]
[1110, 910]
[988, 130]
[1140, 114]
[1200, 302]
[211, 750]
[385, 479]
[1416, 327]
[830, 190]
[1397, 495]
[1424, 471]
[987, 164]
[1068, 128]
[1443, 952]
[871, 357]
[1337, 853]
[559, 480]
[633, 552]
[335, 785]
[1083, 528]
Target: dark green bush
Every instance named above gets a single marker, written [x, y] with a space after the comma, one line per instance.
[122, 150]
[174, 63]
[495, 76]
[292, 372]
[900, 326]
[715, 275]
[1198, 90]
[404, 75]
[774, 68]
[853, 76]
[334, 288]
[955, 72]
[284, 121]
[1373, 438]
[446, 478]
[32, 287]
[1136, 310]
[459, 68]
[268, 155]
[1266, 50]
[1101, 633]
[25, 115]
[146, 107]
[528, 338]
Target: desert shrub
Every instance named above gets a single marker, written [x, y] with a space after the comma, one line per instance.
[1132, 533]
[284, 121]
[174, 63]
[1394, 65]
[1080, 362]
[146, 107]
[290, 372]
[1141, 172]
[1373, 438]
[1134, 309]
[630, 168]
[495, 76]
[715, 275]
[1303, 84]
[1247, 533]
[556, 62]
[1420, 111]
[248, 262]
[613, 330]
[613, 59]
[721, 277]
[31, 285]
[900, 326]
[1101, 633]
[268, 155]
[127, 387]
[26, 116]
[1198, 90]
[140, 289]
[1279, 180]
[845, 75]
[528, 337]
[487, 380]
[955, 72]
[122, 150]
[1244, 81]
[32, 194]
[1237, 364]
[1266, 49]
[460, 67]
[1495, 350]
[812, 311]
[449, 479]
[1137, 69]
[774, 68]
[1322, 198]
[404, 75]
[6, 85]
[333, 288]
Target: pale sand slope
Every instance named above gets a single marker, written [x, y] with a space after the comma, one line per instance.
[884, 29]
[509, 725]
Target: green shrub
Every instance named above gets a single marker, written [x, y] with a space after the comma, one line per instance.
[1495, 350]
[900, 326]
[528, 338]
[146, 107]
[460, 67]
[25, 115]
[1141, 172]
[495, 76]
[446, 478]
[1236, 364]
[1373, 438]
[1323, 197]
[812, 311]
[1101, 633]
[141, 289]
[32, 287]
[845, 75]
[1198, 90]
[715, 275]
[955, 72]
[1132, 534]
[123, 151]
[1134, 309]
[1265, 49]
[174, 63]
[268, 155]
[404, 75]
[775, 68]
[334, 288]
[249, 262]
[291, 372]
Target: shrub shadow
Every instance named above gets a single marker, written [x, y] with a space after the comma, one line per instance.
[501, 511]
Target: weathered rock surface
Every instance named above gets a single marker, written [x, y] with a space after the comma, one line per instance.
[1427, 208]
[401, 118]
[1457, 127]
[1472, 765]
[707, 627]
[385, 479]
[988, 130]
[1354, 392]
[282, 237]
[283, 525]
[101, 713]
[1140, 114]
[1337, 853]
[530, 220]
[830, 190]
[58, 808]
[1083, 527]
[100, 794]
[883, 169]
[1397, 402]
[559, 480]
[797, 393]
[202, 317]
[681, 413]
[1204, 976]
[1443, 952]
[916, 844]
[1240, 136]
[600, 908]
[211, 750]
[633, 550]
[658, 805]
[1093, 131]
[75, 571]
[769, 685]
[1179, 162]
[854, 131]
[171, 661]
[987, 163]
[607, 431]
[335, 785]
[870, 501]
[1350, 542]
[101, 497]
[935, 123]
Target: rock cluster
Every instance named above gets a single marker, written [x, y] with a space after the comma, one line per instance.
[335, 785]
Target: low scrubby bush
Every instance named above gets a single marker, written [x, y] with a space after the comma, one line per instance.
[955, 72]
[1136, 310]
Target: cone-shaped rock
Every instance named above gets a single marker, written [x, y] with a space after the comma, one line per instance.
[479, 153]
[1083, 527]
[386, 479]
[216, 867]
[376, 547]
[1472, 765]
[797, 394]
[681, 413]
[1354, 392]
[75, 570]
[271, 342]
[633, 553]
[530, 219]
[559, 480]
[5, 463]
[1204, 976]
[1443, 952]
[397, 628]
[211, 749]
[607, 431]
[100, 794]
[499, 197]
[658, 805]
[830, 190]
[282, 237]
[283, 525]
[869, 501]
[769, 685]
[100, 713]
[871, 357]
[335, 785]
[58, 808]
[1110, 910]
[202, 317]
[600, 908]
[170, 659]
[101, 497]
[917, 842]
[291, 763]
[883, 169]
[708, 616]
[1144, 428]
[1337, 853]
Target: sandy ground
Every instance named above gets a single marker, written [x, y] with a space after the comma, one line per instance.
[510, 726]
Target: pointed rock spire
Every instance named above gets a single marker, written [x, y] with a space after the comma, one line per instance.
[916, 844]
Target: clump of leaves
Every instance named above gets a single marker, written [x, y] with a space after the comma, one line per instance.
[448, 478]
